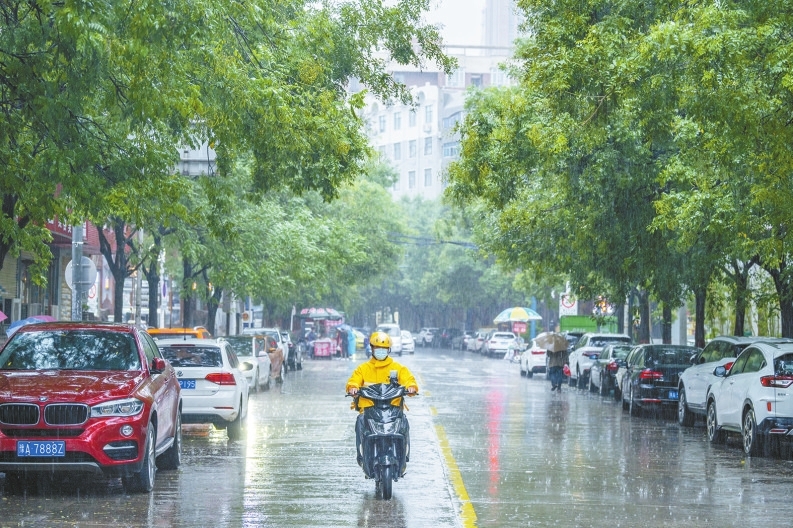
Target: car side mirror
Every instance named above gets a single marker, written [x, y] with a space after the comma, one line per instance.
[720, 371]
[693, 359]
[158, 365]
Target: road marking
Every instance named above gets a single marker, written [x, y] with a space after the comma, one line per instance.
[467, 509]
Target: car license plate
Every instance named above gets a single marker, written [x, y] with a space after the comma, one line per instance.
[672, 394]
[187, 384]
[51, 448]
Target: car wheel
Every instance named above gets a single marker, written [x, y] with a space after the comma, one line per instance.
[604, 388]
[266, 384]
[634, 409]
[752, 442]
[143, 481]
[592, 387]
[572, 381]
[617, 393]
[529, 374]
[172, 458]
[255, 387]
[300, 363]
[684, 416]
[715, 435]
[234, 429]
[580, 381]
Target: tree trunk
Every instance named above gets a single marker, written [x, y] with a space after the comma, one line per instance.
[644, 310]
[619, 312]
[784, 290]
[212, 309]
[187, 293]
[666, 326]
[117, 263]
[700, 296]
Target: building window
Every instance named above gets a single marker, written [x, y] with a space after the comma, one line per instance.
[412, 179]
[456, 79]
[397, 151]
[382, 123]
[397, 120]
[428, 114]
[451, 121]
[476, 80]
[427, 177]
[382, 151]
[412, 118]
[499, 78]
[451, 150]
[428, 146]
[412, 148]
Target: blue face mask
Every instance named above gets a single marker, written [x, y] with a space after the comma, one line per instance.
[380, 353]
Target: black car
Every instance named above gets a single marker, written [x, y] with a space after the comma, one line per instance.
[651, 376]
[603, 374]
[446, 335]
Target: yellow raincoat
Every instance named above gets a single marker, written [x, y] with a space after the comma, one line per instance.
[377, 371]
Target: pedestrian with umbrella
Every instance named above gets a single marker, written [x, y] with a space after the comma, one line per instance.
[556, 346]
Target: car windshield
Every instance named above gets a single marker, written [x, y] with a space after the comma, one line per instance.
[242, 346]
[71, 350]
[393, 331]
[603, 341]
[659, 355]
[620, 351]
[193, 356]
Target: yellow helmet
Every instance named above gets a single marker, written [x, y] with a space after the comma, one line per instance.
[379, 340]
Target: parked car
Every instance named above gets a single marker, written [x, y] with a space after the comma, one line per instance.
[651, 376]
[395, 333]
[498, 343]
[533, 360]
[603, 374]
[275, 333]
[295, 356]
[196, 332]
[754, 399]
[426, 336]
[587, 349]
[465, 339]
[446, 336]
[697, 379]
[477, 343]
[88, 397]
[214, 389]
[408, 343]
[255, 362]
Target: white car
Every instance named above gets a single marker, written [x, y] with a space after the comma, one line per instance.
[214, 389]
[586, 351]
[275, 333]
[395, 333]
[696, 379]
[499, 343]
[408, 343]
[533, 360]
[754, 399]
[426, 335]
[254, 360]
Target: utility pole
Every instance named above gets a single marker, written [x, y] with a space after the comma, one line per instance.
[77, 273]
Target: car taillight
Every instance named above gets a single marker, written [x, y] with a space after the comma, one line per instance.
[612, 367]
[782, 382]
[538, 352]
[650, 375]
[221, 378]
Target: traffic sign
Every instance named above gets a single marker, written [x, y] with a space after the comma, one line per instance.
[88, 275]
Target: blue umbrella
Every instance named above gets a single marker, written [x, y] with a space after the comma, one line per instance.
[16, 325]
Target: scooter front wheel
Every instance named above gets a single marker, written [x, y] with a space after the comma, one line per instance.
[386, 480]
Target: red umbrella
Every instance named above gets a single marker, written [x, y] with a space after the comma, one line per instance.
[3, 317]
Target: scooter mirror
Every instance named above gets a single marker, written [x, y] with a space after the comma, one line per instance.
[393, 377]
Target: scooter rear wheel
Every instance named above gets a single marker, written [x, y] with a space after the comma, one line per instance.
[387, 479]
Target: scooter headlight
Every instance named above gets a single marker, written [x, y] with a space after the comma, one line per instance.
[385, 428]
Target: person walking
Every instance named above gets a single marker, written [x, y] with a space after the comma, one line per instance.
[556, 362]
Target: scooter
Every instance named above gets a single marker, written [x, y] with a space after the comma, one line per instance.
[385, 435]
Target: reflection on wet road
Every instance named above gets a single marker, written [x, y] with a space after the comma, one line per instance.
[522, 455]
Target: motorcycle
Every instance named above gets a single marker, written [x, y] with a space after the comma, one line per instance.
[384, 435]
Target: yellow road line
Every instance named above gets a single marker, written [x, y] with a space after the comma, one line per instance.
[467, 509]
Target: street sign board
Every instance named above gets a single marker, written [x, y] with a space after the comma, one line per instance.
[88, 276]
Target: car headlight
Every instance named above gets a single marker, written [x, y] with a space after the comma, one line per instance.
[129, 407]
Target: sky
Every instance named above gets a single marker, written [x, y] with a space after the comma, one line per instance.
[462, 20]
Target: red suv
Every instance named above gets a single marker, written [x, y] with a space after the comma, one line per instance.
[88, 397]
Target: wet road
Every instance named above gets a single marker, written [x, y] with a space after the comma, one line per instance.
[489, 448]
